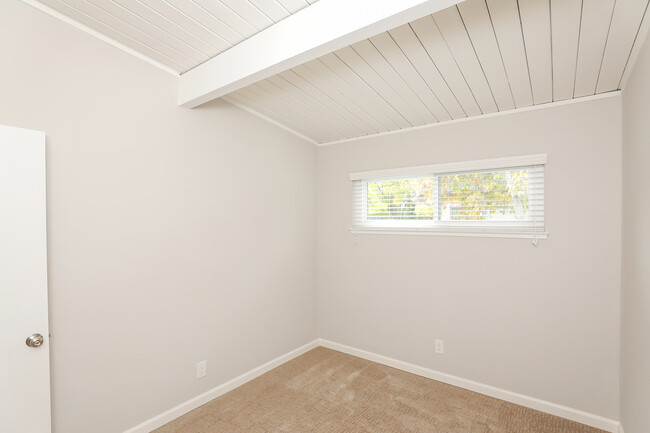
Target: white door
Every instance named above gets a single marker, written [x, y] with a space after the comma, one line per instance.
[24, 370]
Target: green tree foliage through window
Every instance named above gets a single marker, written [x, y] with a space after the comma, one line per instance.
[496, 195]
[408, 199]
[481, 196]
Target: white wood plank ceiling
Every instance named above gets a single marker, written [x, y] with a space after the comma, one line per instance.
[179, 34]
[479, 57]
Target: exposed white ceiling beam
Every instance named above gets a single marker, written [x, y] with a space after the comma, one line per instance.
[319, 29]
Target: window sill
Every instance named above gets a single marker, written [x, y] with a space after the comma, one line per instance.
[449, 231]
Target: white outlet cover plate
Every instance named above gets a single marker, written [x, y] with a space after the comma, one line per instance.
[201, 369]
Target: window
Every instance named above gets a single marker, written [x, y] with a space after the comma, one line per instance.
[498, 197]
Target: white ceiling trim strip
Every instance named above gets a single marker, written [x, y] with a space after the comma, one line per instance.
[481, 116]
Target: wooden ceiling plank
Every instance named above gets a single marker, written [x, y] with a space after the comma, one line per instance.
[238, 99]
[429, 35]
[477, 21]
[174, 29]
[355, 62]
[98, 11]
[156, 32]
[403, 66]
[294, 6]
[639, 42]
[626, 22]
[173, 14]
[332, 109]
[374, 58]
[596, 20]
[291, 95]
[215, 24]
[453, 31]
[271, 8]
[227, 16]
[418, 56]
[339, 75]
[248, 12]
[565, 34]
[507, 27]
[536, 27]
[365, 121]
[287, 110]
[114, 34]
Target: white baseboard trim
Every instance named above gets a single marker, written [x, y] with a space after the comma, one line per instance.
[582, 417]
[183, 408]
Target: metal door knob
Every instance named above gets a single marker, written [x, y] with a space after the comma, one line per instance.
[34, 340]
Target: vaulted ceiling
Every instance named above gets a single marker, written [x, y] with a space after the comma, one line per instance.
[475, 58]
[179, 34]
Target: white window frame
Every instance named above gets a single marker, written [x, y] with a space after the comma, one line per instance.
[443, 228]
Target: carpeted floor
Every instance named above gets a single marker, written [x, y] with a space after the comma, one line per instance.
[324, 391]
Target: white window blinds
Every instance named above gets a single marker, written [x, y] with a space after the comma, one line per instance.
[498, 197]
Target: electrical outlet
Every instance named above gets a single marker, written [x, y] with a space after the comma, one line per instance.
[201, 369]
[440, 346]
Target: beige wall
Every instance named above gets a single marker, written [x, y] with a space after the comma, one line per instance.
[541, 321]
[159, 255]
[635, 359]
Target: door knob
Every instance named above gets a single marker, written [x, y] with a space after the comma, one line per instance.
[34, 340]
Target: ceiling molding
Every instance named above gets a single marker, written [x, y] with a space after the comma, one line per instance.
[482, 116]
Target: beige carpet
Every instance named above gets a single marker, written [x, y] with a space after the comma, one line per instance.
[324, 391]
